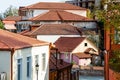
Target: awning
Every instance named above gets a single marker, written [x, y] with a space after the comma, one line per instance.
[9, 22]
[9, 26]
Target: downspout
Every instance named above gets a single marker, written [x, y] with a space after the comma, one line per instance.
[12, 52]
[71, 57]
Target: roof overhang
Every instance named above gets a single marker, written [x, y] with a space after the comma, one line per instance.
[10, 26]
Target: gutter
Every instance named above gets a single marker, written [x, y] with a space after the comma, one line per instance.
[12, 52]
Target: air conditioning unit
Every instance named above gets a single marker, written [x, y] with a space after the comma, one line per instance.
[3, 76]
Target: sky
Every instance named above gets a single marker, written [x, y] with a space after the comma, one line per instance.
[16, 3]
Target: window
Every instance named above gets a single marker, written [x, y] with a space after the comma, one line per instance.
[43, 61]
[19, 69]
[66, 55]
[85, 44]
[36, 59]
[28, 67]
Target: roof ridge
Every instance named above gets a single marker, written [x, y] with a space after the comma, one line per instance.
[44, 4]
[59, 15]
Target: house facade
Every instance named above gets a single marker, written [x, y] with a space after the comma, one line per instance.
[73, 50]
[82, 59]
[48, 13]
[19, 56]
[51, 32]
[61, 16]
[15, 24]
[33, 10]
[41, 7]
[64, 13]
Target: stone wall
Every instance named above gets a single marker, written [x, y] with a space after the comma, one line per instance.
[92, 72]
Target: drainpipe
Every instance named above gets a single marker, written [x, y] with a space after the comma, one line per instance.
[12, 52]
[70, 57]
[106, 64]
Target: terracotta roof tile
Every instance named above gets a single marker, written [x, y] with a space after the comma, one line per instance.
[82, 55]
[67, 16]
[60, 63]
[9, 40]
[68, 44]
[24, 32]
[51, 15]
[13, 18]
[53, 5]
[54, 29]
[55, 15]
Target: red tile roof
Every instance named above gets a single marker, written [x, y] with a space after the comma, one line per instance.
[13, 18]
[9, 40]
[59, 65]
[53, 5]
[55, 15]
[54, 29]
[82, 55]
[24, 32]
[68, 44]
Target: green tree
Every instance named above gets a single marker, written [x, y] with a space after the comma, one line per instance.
[110, 18]
[1, 25]
[10, 11]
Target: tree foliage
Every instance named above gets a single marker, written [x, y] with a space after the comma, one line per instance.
[1, 25]
[114, 60]
[110, 17]
[10, 11]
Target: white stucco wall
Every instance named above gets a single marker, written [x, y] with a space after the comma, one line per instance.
[5, 63]
[84, 62]
[23, 54]
[77, 24]
[78, 12]
[85, 24]
[53, 38]
[33, 13]
[39, 51]
[38, 12]
[82, 48]
[24, 22]
[50, 22]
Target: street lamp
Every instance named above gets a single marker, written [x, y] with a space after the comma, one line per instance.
[37, 68]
